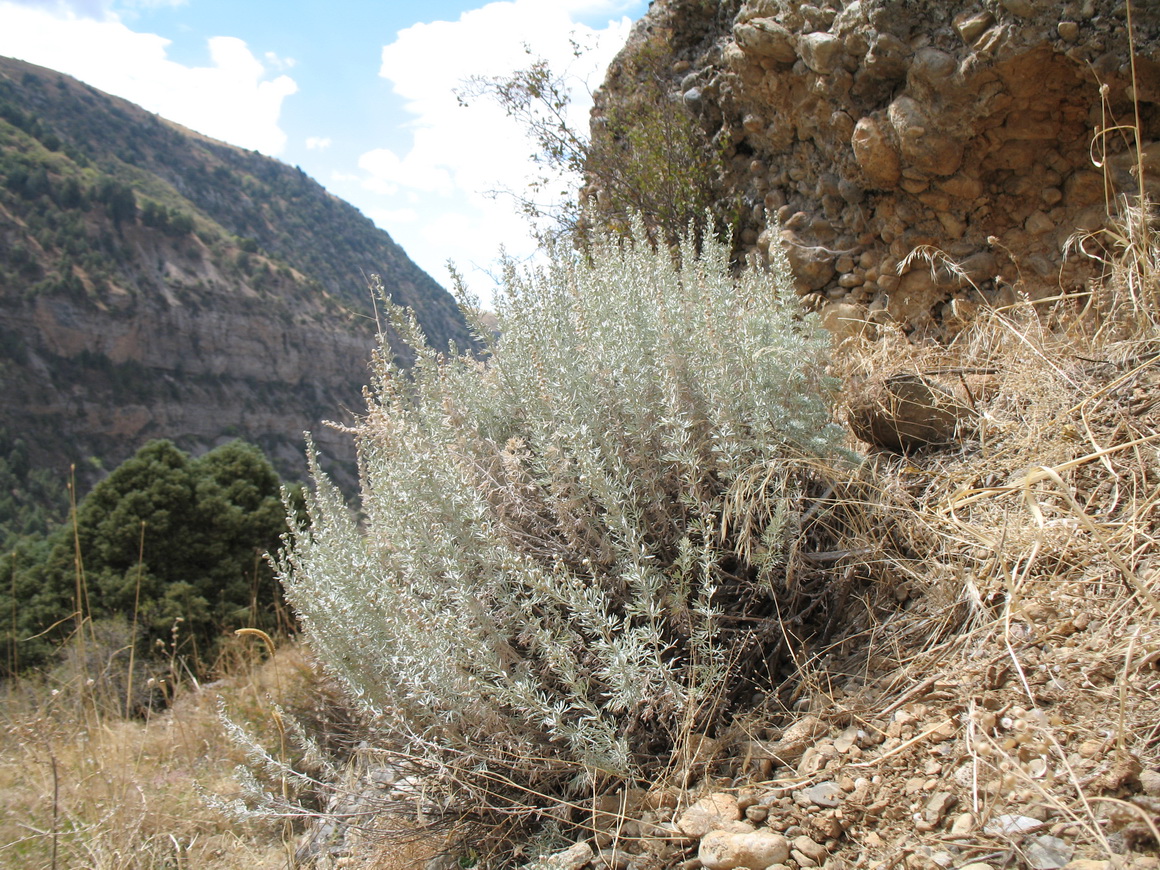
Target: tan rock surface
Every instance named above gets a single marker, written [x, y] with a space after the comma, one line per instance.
[965, 129]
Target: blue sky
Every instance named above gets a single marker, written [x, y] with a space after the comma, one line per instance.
[360, 94]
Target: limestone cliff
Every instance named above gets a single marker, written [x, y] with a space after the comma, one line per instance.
[155, 283]
[875, 127]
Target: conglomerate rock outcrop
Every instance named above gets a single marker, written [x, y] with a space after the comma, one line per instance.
[874, 128]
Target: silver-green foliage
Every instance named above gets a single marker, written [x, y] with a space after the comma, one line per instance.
[532, 584]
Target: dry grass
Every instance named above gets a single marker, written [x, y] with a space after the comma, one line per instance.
[83, 786]
[1030, 555]
[1003, 591]
[1026, 561]
[1000, 599]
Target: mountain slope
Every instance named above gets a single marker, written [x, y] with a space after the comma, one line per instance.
[157, 283]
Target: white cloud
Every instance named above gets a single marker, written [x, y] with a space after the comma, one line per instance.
[232, 99]
[463, 153]
[318, 143]
[387, 172]
[394, 217]
[279, 63]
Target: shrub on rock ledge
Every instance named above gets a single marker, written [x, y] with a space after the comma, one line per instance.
[563, 543]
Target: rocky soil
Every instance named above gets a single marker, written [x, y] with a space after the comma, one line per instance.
[873, 129]
[1004, 758]
[1002, 713]
[1016, 745]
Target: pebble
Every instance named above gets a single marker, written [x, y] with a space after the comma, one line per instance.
[938, 806]
[757, 813]
[709, 813]
[820, 52]
[824, 794]
[612, 859]
[1038, 223]
[963, 824]
[827, 826]
[802, 860]
[1022, 8]
[1150, 781]
[815, 851]
[971, 27]
[1048, 853]
[846, 739]
[1011, 824]
[913, 785]
[722, 850]
[572, 858]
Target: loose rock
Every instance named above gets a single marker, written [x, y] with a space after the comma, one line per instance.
[574, 857]
[721, 850]
[824, 794]
[814, 851]
[708, 814]
[1048, 853]
[904, 412]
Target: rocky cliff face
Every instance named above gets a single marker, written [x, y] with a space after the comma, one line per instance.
[154, 283]
[875, 128]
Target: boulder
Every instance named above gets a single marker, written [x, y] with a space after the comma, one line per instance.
[904, 412]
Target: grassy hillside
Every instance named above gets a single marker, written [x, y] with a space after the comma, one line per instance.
[64, 146]
[155, 283]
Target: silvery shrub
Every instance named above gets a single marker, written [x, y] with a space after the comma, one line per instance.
[529, 598]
